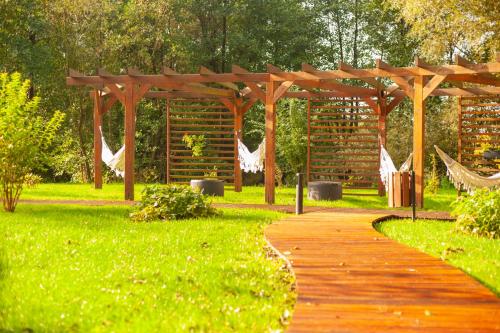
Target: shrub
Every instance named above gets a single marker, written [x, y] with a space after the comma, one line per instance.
[433, 183]
[479, 213]
[25, 137]
[172, 202]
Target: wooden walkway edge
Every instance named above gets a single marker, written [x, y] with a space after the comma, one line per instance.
[350, 278]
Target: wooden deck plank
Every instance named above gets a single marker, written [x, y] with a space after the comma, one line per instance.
[350, 278]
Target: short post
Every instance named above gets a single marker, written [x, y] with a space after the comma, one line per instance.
[299, 196]
[413, 196]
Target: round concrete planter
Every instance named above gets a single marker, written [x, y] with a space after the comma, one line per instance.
[212, 187]
[324, 190]
[491, 154]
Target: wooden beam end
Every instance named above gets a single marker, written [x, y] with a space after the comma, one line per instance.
[307, 68]
[273, 69]
[168, 71]
[133, 71]
[73, 73]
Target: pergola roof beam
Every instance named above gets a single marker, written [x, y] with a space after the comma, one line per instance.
[371, 81]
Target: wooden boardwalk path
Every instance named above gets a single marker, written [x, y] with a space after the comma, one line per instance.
[350, 278]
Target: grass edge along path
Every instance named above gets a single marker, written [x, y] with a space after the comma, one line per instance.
[250, 195]
[88, 269]
[479, 257]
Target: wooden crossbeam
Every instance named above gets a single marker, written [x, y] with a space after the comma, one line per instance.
[109, 104]
[195, 87]
[402, 81]
[281, 90]
[474, 78]
[371, 81]
[479, 91]
[433, 84]
[473, 69]
[256, 89]
[394, 103]
[230, 85]
[460, 61]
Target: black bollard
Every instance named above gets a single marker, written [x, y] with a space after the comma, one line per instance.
[299, 196]
[413, 196]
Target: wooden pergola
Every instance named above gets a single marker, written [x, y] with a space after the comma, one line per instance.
[240, 89]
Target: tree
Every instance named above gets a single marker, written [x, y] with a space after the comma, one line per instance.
[470, 27]
[25, 137]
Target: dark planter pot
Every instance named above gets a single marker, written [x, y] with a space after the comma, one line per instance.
[212, 187]
[491, 154]
[324, 190]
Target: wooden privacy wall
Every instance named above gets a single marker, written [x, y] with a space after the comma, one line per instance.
[478, 128]
[200, 117]
[343, 143]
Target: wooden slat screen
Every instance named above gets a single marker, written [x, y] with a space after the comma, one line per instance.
[200, 117]
[479, 127]
[343, 143]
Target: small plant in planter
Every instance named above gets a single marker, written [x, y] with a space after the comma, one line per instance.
[172, 202]
[196, 143]
[210, 185]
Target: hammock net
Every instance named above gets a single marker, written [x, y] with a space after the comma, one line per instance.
[387, 166]
[464, 178]
[251, 161]
[116, 162]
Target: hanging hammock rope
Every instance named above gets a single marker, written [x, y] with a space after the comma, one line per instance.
[251, 161]
[464, 178]
[387, 166]
[116, 162]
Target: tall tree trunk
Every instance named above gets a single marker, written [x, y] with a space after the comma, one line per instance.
[355, 54]
[224, 38]
[339, 34]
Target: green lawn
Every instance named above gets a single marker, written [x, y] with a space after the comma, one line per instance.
[479, 257]
[88, 269]
[250, 194]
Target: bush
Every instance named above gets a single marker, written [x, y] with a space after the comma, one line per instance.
[433, 182]
[479, 213]
[25, 137]
[172, 202]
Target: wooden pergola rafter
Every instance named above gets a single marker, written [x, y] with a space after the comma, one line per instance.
[241, 89]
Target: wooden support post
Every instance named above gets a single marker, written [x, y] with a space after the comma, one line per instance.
[382, 132]
[129, 140]
[167, 143]
[98, 106]
[459, 147]
[270, 142]
[238, 127]
[419, 139]
[308, 166]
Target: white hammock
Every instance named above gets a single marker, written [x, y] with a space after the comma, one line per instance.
[251, 161]
[462, 177]
[115, 162]
[387, 166]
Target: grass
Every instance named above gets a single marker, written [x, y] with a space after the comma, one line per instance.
[250, 194]
[479, 257]
[88, 269]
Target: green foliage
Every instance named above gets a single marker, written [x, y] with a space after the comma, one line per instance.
[291, 139]
[25, 137]
[433, 182]
[172, 202]
[196, 143]
[469, 26]
[479, 213]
